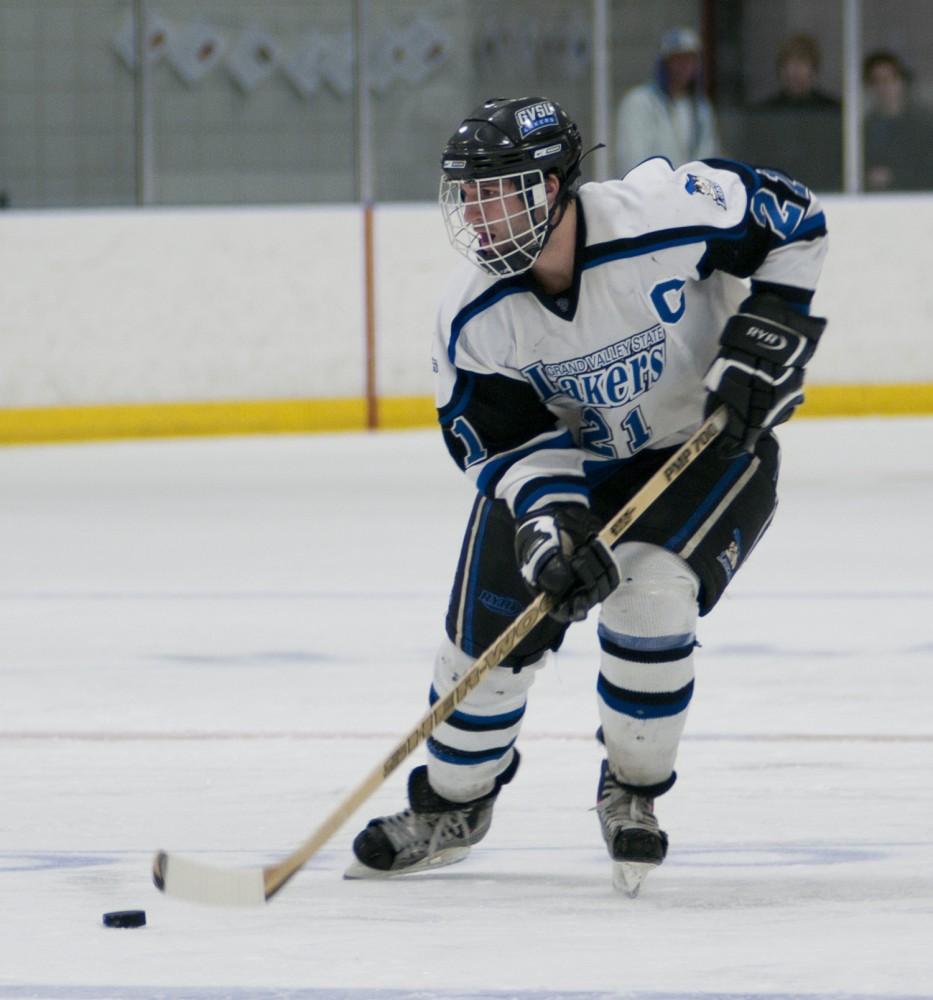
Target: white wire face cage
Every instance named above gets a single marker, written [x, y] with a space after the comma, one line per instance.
[499, 223]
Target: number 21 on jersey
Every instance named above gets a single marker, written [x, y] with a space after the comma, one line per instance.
[596, 434]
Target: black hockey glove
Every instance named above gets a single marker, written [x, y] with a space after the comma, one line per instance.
[558, 553]
[758, 372]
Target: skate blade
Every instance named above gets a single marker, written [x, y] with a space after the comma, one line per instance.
[442, 859]
[627, 876]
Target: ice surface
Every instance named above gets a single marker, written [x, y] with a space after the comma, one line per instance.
[206, 644]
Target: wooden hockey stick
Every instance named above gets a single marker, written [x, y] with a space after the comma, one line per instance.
[202, 883]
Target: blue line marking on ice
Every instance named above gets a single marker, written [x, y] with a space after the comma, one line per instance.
[760, 855]
[37, 861]
[280, 657]
[771, 856]
[409, 595]
[50, 992]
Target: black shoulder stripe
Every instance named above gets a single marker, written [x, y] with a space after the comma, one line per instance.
[797, 296]
[635, 246]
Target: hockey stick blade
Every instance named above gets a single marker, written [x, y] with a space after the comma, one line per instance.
[200, 883]
[192, 880]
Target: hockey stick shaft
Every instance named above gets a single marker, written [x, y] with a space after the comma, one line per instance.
[176, 876]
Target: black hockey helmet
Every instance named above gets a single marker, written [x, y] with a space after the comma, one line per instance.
[504, 148]
[514, 135]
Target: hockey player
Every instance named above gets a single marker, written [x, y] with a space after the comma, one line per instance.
[594, 328]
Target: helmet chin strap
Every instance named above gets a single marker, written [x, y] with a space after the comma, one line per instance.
[565, 194]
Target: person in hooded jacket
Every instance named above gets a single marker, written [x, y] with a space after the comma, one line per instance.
[669, 116]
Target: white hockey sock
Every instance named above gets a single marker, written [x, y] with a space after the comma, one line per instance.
[474, 746]
[647, 634]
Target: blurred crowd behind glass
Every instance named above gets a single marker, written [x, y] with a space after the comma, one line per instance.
[256, 101]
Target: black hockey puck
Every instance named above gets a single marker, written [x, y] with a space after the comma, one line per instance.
[125, 918]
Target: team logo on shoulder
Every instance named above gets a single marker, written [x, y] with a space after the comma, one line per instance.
[707, 188]
[535, 116]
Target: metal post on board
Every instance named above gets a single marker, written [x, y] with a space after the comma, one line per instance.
[602, 88]
[852, 124]
[365, 188]
[142, 94]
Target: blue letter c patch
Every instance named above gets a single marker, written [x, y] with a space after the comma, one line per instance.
[661, 296]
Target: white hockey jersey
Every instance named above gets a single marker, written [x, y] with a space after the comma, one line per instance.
[541, 396]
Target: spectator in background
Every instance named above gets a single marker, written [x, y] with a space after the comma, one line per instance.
[670, 115]
[798, 67]
[797, 130]
[898, 133]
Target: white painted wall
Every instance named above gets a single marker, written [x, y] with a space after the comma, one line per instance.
[212, 304]
[149, 306]
[877, 291]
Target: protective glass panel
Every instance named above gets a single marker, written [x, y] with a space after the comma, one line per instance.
[778, 82]
[432, 63]
[897, 78]
[254, 102]
[66, 105]
[644, 124]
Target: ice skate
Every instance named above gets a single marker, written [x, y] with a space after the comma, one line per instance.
[432, 833]
[635, 841]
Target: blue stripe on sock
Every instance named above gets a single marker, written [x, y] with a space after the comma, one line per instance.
[479, 723]
[644, 704]
[451, 755]
[645, 655]
[645, 642]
